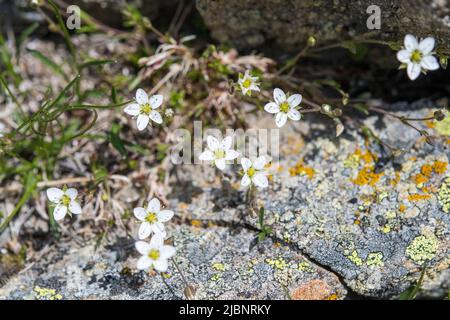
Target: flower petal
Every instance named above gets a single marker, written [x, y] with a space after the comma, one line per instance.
[227, 142]
[294, 115]
[294, 100]
[157, 241]
[429, 63]
[140, 213]
[142, 247]
[141, 96]
[231, 155]
[410, 42]
[156, 117]
[54, 194]
[156, 101]
[167, 252]
[158, 228]
[427, 45]
[206, 156]
[260, 163]
[161, 265]
[144, 263]
[280, 119]
[145, 229]
[246, 163]
[165, 215]
[132, 109]
[413, 70]
[72, 193]
[142, 121]
[59, 212]
[245, 180]
[404, 56]
[272, 107]
[154, 205]
[220, 163]
[279, 96]
[260, 180]
[213, 143]
[74, 207]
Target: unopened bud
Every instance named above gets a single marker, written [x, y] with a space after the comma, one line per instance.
[443, 60]
[439, 115]
[312, 41]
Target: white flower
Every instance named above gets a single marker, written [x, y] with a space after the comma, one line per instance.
[254, 172]
[152, 218]
[284, 107]
[248, 83]
[2, 129]
[65, 200]
[144, 109]
[154, 254]
[418, 56]
[219, 151]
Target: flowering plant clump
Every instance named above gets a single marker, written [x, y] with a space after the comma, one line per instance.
[145, 109]
[65, 200]
[284, 107]
[248, 83]
[152, 218]
[417, 56]
[219, 151]
[154, 254]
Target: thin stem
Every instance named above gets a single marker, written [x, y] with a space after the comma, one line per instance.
[180, 272]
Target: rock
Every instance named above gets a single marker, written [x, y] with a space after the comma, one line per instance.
[368, 219]
[249, 24]
[236, 270]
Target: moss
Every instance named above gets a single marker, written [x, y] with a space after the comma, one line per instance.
[422, 248]
[375, 259]
[444, 195]
[354, 257]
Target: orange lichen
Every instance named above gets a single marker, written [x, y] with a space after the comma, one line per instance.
[420, 179]
[196, 223]
[300, 168]
[402, 208]
[396, 180]
[440, 167]
[426, 170]
[367, 176]
[418, 197]
[332, 297]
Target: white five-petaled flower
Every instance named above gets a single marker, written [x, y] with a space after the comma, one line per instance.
[144, 109]
[219, 151]
[65, 200]
[248, 83]
[284, 107]
[152, 218]
[418, 56]
[254, 172]
[154, 254]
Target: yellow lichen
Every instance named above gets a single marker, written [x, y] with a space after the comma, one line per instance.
[46, 294]
[332, 297]
[422, 248]
[443, 127]
[300, 168]
[218, 266]
[418, 197]
[279, 263]
[305, 266]
[196, 223]
[367, 176]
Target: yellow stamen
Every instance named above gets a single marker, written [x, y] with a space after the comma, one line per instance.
[251, 172]
[146, 108]
[154, 254]
[65, 200]
[151, 218]
[284, 107]
[416, 56]
[219, 154]
[247, 83]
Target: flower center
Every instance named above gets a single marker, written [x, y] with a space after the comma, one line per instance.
[146, 108]
[65, 200]
[151, 218]
[251, 172]
[284, 107]
[416, 56]
[219, 154]
[154, 254]
[247, 83]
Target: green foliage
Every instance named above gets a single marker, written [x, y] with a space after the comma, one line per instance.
[265, 230]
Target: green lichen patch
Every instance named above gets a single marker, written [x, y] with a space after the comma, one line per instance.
[355, 258]
[422, 248]
[46, 294]
[444, 195]
[375, 259]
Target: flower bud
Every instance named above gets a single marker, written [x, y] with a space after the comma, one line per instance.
[312, 41]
